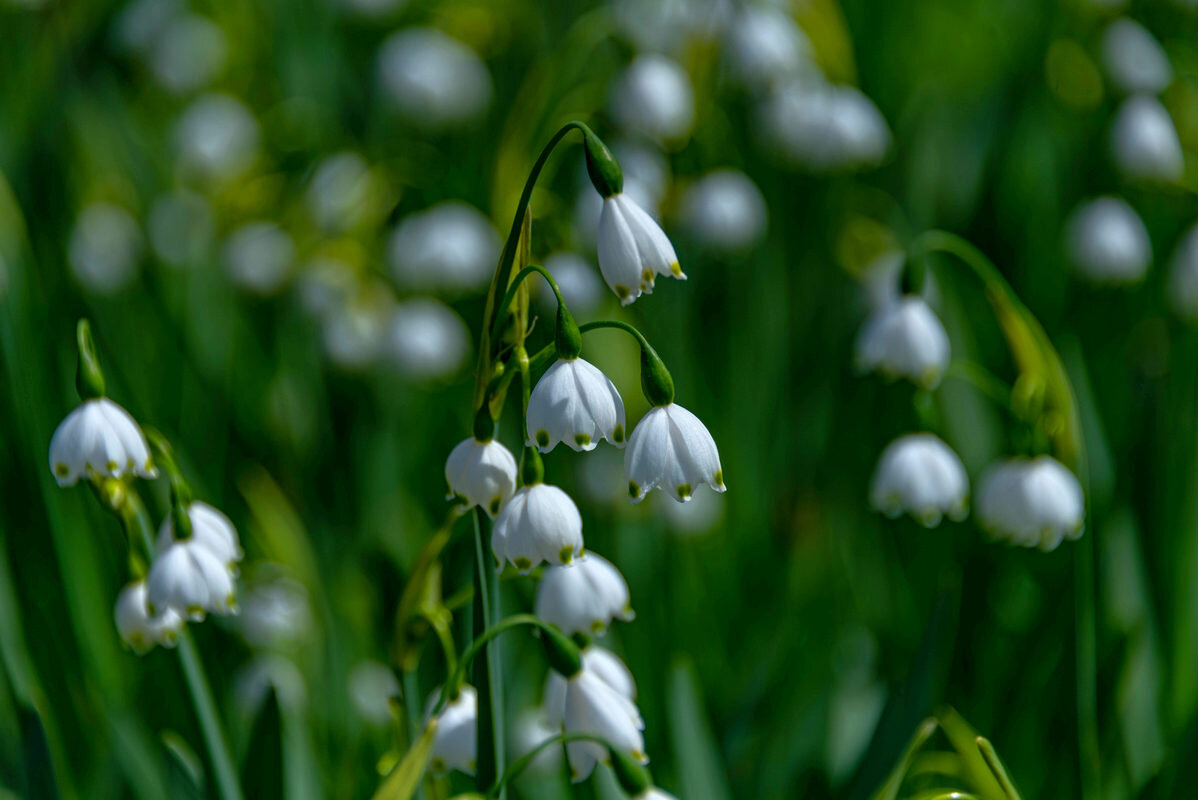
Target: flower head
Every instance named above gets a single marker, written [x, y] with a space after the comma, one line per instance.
[1108, 243]
[99, 438]
[633, 249]
[920, 475]
[905, 340]
[210, 529]
[454, 742]
[576, 404]
[585, 596]
[481, 474]
[140, 629]
[1145, 142]
[1031, 502]
[540, 523]
[191, 579]
[1134, 59]
[672, 450]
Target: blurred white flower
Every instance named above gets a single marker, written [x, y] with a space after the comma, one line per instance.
[671, 449]
[653, 793]
[137, 627]
[188, 54]
[576, 404]
[481, 474]
[210, 529]
[324, 284]
[1144, 141]
[450, 247]
[1183, 275]
[99, 438]
[577, 279]
[1134, 59]
[275, 613]
[704, 513]
[904, 340]
[140, 23]
[633, 249]
[104, 248]
[354, 332]
[530, 728]
[433, 81]
[217, 137]
[427, 339]
[267, 673]
[181, 228]
[585, 596]
[540, 523]
[824, 127]
[882, 279]
[596, 700]
[259, 257]
[920, 475]
[191, 579]
[373, 9]
[1031, 502]
[372, 686]
[725, 211]
[765, 45]
[653, 97]
[340, 193]
[1108, 243]
[454, 743]
[668, 25]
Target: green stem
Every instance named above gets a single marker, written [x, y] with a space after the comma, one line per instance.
[996, 766]
[136, 516]
[521, 763]
[488, 675]
[514, 287]
[656, 382]
[480, 641]
[981, 379]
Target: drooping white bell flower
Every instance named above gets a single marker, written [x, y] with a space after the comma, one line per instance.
[530, 729]
[1108, 243]
[137, 627]
[217, 137]
[585, 596]
[104, 248]
[372, 688]
[540, 523]
[210, 529]
[450, 247]
[588, 211]
[633, 249]
[427, 339]
[671, 449]
[766, 45]
[259, 257]
[905, 340]
[1031, 502]
[1183, 275]
[574, 403]
[725, 211]
[191, 579]
[589, 703]
[1144, 141]
[434, 81]
[920, 475]
[454, 745]
[1134, 59]
[481, 474]
[654, 97]
[99, 439]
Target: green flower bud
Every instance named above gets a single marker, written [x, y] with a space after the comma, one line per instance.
[562, 654]
[532, 470]
[567, 338]
[605, 172]
[484, 424]
[634, 779]
[656, 382]
[89, 379]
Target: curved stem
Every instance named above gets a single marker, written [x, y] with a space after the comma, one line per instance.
[619, 325]
[476, 647]
[656, 381]
[521, 763]
[981, 379]
[514, 287]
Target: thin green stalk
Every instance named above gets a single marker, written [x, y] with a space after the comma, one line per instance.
[488, 671]
[521, 763]
[481, 640]
[981, 379]
[619, 325]
[996, 766]
[514, 287]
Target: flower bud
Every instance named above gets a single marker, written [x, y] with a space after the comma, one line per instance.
[604, 171]
[562, 654]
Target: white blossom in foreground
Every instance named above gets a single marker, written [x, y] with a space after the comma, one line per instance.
[725, 211]
[1108, 243]
[137, 627]
[588, 209]
[531, 728]
[540, 523]
[191, 579]
[671, 449]
[1144, 141]
[481, 474]
[210, 529]
[654, 97]
[1183, 275]
[99, 438]
[588, 703]
[585, 596]
[574, 403]
[454, 744]
[905, 340]
[259, 257]
[766, 45]
[1134, 59]
[217, 137]
[427, 339]
[633, 249]
[104, 248]
[450, 247]
[920, 475]
[1031, 502]
[433, 81]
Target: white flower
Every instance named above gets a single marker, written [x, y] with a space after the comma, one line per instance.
[104, 248]
[454, 742]
[259, 256]
[275, 613]
[725, 211]
[1145, 142]
[450, 247]
[653, 793]
[765, 44]
[99, 438]
[1183, 275]
[905, 340]
[325, 284]
[922, 476]
[529, 730]
[217, 137]
[1108, 242]
[824, 127]
[1134, 59]
[341, 193]
[137, 627]
[372, 686]
[588, 210]
[427, 339]
[576, 404]
[670, 449]
[354, 331]
[633, 249]
[433, 81]
[540, 523]
[481, 474]
[654, 97]
[1031, 502]
[188, 54]
[209, 529]
[584, 596]
[191, 579]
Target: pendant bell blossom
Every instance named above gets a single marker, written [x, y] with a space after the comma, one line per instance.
[454, 744]
[137, 627]
[190, 579]
[210, 529]
[633, 249]
[584, 597]
[905, 340]
[920, 475]
[672, 450]
[540, 523]
[481, 474]
[576, 404]
[653, 793]
[1031, 502]
[99, 439]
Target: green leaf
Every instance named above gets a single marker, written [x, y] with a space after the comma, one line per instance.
[698, 762]
[262, 767]
[402, 782]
